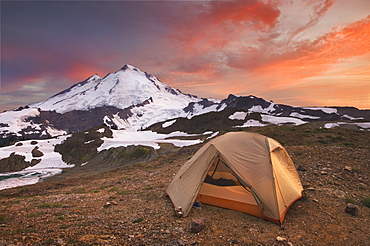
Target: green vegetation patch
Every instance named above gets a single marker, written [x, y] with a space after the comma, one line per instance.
[49, 205]
[82, 146]
[2, 219]
[80, 190]
[123, 156]
[366, 202]
[138, 220]
[350, 200]
[114, 189]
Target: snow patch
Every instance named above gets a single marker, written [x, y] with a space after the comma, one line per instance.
[331, 125]
[301, 116]
[16, 120]
[101, 130]
[282, 120]
[146, 138]
[252, 122]
[240, 115]
[325, 110]
[55, 132]
[260, 109]
[120, 123]
[26, 177]
[352, 118]
[168, 123]
[365, 125]
[213, 135]
[207, 132]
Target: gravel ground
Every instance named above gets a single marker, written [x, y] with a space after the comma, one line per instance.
[128, 206]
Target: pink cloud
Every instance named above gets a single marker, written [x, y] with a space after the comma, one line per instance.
[215, 26]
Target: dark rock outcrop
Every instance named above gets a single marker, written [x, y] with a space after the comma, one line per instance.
[13, 163]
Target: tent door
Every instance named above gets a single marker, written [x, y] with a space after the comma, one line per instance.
[222, 189]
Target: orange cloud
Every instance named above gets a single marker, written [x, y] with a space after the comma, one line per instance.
[81, 71]
[305, 59]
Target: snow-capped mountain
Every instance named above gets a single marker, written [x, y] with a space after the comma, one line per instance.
[127, 87]
[133, 100]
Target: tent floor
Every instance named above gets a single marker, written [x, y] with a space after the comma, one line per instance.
[230, 197]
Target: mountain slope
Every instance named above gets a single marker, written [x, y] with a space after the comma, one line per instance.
[130, 99]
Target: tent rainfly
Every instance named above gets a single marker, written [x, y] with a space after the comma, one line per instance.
[242, 171]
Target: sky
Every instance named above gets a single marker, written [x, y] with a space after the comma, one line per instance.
[300, 53]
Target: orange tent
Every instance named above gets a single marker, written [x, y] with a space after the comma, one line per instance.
[243, 171]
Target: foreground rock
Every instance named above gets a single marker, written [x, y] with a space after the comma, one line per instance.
[197, 225]
[352, 209]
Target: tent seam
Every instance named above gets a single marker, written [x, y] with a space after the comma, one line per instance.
[273, 178]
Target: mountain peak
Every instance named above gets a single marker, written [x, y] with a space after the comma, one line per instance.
[122, 89]
[128, 66]
[93, 78]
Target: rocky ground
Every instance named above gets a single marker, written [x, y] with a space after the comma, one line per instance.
[128, 206]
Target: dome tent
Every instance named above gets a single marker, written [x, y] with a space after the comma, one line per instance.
[243, 171]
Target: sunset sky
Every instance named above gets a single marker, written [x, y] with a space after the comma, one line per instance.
[300, 53]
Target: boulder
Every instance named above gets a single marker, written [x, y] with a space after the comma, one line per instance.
[352, 209]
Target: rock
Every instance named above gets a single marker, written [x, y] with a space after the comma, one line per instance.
[36, 152]
[35, 162]
[178, 212]
[339, 194]
[324, 173]
[352, 209]
[197, 205]
[311, 189]
[197, 225]
[108, 204]
[280, 239]
[13, 163]
[348, 168]
[301, 169]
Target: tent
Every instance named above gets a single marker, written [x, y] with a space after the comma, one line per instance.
[242, 171]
